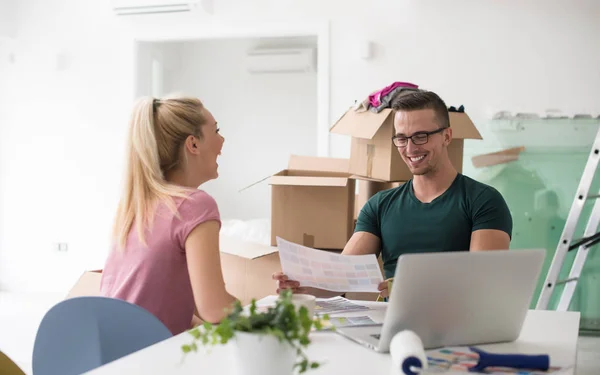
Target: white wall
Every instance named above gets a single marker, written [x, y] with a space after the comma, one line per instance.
[66, 102]
[488, 55]
[64, 132]
[263, 117]
[8, 18]
[8, 30]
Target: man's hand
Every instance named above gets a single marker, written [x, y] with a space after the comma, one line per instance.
[383, 288]
[284, 283]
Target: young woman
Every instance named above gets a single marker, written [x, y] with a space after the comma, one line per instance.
[165, 256]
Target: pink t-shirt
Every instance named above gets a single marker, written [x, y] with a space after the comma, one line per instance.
[156, 277]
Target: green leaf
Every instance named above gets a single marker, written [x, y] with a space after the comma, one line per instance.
[318, 325]
[195, 333]
[303, 366]
[304, 341]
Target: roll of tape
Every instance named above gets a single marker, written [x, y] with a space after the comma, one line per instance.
[408, 354]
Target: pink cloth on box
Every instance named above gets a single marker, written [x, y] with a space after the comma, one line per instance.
[156, 277]
[375, 98]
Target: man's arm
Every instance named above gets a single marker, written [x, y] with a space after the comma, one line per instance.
[492, 222]
[489, 239]
[363, 243]
[367, 233]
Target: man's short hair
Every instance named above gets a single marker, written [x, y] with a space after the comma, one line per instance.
[422, 99]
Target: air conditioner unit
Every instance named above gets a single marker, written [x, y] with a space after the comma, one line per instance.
[289, 60]
[134, 7]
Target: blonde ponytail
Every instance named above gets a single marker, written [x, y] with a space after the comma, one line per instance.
[153, 148]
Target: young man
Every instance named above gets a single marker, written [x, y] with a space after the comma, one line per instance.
[438, 210]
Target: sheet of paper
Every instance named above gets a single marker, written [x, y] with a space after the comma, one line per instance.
[327, 270]
[337, 304]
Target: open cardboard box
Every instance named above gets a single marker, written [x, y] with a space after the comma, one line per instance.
[247, 269]
[312, 202]
[374, 155]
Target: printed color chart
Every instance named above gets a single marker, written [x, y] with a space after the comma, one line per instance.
[329, 271]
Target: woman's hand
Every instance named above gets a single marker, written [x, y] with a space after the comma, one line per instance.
[284, 283]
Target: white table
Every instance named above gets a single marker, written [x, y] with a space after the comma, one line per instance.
[550, 332]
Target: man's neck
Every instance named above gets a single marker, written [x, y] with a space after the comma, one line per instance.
[429, 186]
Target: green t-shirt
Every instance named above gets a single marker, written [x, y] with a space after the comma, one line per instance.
[406, 225]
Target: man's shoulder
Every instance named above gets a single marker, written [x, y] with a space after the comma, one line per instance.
[476, 189]
[481, 197]
[487, 206]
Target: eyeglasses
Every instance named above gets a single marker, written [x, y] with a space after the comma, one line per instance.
[418, 138]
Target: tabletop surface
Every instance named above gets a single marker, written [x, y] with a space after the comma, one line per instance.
[549, 332]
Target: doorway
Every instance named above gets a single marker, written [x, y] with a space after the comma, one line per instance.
[268, 107]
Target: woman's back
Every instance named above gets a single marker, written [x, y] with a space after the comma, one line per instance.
[156, 276]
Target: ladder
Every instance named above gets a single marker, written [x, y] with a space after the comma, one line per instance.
[566, 242]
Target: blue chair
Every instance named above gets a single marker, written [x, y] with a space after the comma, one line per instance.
[82, 333]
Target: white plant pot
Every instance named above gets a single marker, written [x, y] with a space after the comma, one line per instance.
[256, 354]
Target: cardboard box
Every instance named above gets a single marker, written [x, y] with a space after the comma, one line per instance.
[248, 268]
[312, 202]
[374, 155]
[88, 284]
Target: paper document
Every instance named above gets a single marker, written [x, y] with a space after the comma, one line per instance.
[347, 321]
[337, 305]
[327, 270]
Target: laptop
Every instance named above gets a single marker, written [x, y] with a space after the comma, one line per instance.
[456, 298]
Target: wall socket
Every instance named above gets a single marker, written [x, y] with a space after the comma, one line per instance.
[61, 247]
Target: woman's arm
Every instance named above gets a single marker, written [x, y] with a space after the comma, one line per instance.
[204, 266]
[195, 321]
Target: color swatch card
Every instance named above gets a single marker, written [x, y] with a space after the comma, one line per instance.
[337, 304]
[348, 322]
[327, 270]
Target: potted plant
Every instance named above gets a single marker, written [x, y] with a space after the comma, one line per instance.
[263, 343]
